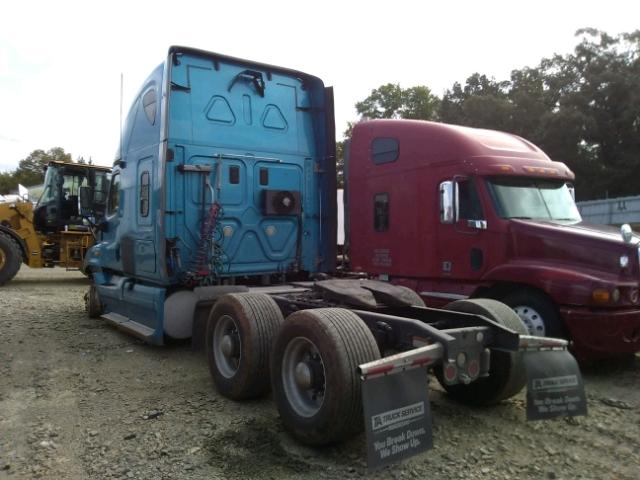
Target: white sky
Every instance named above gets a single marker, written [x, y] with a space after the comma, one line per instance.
[60, 61]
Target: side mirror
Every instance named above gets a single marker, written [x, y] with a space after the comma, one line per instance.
[85, 198]
[626, 232]
[448, 202]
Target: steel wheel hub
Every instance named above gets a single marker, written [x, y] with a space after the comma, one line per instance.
[303, 376]
[532, 320]
[227, 346]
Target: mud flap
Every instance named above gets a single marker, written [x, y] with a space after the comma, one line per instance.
[554, 385]
[398, 424]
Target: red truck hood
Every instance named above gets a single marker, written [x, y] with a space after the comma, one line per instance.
[581, 245]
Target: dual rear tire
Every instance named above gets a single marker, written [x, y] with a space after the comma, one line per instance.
[309, 360]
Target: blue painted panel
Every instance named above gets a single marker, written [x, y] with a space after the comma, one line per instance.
[220, 112]
[140, 303]
[220, 118]
[145, 255]
[140, 149]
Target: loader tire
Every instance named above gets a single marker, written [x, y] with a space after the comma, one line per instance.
[240, 333]
[507, 374]
[10, 258]
[314, 375]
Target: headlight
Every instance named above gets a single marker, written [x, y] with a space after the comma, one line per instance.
[615, 295]
[624, 261]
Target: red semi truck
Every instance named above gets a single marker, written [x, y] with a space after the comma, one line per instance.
[455, 212]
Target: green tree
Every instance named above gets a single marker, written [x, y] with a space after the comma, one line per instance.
[582, 108]
[481, 102]
[594, 120]
[392, 101]
[7, 183]
[30, 170]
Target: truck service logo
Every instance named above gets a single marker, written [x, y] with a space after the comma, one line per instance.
[553, 383]
[397, 418]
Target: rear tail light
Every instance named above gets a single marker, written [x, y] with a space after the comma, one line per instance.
[450, 372]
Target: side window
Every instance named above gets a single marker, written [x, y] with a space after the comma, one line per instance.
[149, 103]
[381, 212]
[264, 176]
[234, 174]
[112, 206]
[384, 150]
[144, 194]
[469, 201]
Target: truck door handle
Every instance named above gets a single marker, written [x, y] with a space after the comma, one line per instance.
[477, 224]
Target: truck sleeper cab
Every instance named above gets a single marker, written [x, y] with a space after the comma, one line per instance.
[221, 214]
[226, 172]
[456, 212]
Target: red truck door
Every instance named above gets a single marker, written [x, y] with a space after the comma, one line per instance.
[462, 249]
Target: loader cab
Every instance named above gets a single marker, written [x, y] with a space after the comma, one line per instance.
[59, 205]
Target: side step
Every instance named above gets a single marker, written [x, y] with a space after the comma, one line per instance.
[134, 328]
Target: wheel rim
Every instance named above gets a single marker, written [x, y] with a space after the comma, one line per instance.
[3, 258]
[227, 346]
[532, 320]
[303, 376]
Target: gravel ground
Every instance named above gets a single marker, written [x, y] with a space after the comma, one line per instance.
[78, 399]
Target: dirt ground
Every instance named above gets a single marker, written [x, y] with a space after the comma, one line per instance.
[78, 399]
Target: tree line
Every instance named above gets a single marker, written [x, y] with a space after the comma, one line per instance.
[30, 169]
[582, 108]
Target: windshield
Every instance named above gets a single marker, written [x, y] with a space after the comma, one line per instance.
[50, 191]
[533, 199]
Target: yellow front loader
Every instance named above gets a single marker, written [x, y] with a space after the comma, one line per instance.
[56, 231]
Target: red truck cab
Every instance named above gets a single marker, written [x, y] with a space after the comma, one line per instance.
[455, 212]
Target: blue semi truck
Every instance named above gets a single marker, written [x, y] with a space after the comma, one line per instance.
[221, 226]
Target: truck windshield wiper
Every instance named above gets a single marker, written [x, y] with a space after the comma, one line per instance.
[522, 218]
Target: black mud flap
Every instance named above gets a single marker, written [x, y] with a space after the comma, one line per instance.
[397, 416]
[554, 385]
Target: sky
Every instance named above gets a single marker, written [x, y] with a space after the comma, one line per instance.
[61, 61]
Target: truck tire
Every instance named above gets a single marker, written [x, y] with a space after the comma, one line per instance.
[314, 375]
[507, 374]
[92, 302]
[10, 258]
[240, 332]
[537, 312]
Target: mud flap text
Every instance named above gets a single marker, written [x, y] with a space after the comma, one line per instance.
[554, 385]
[397, 416]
